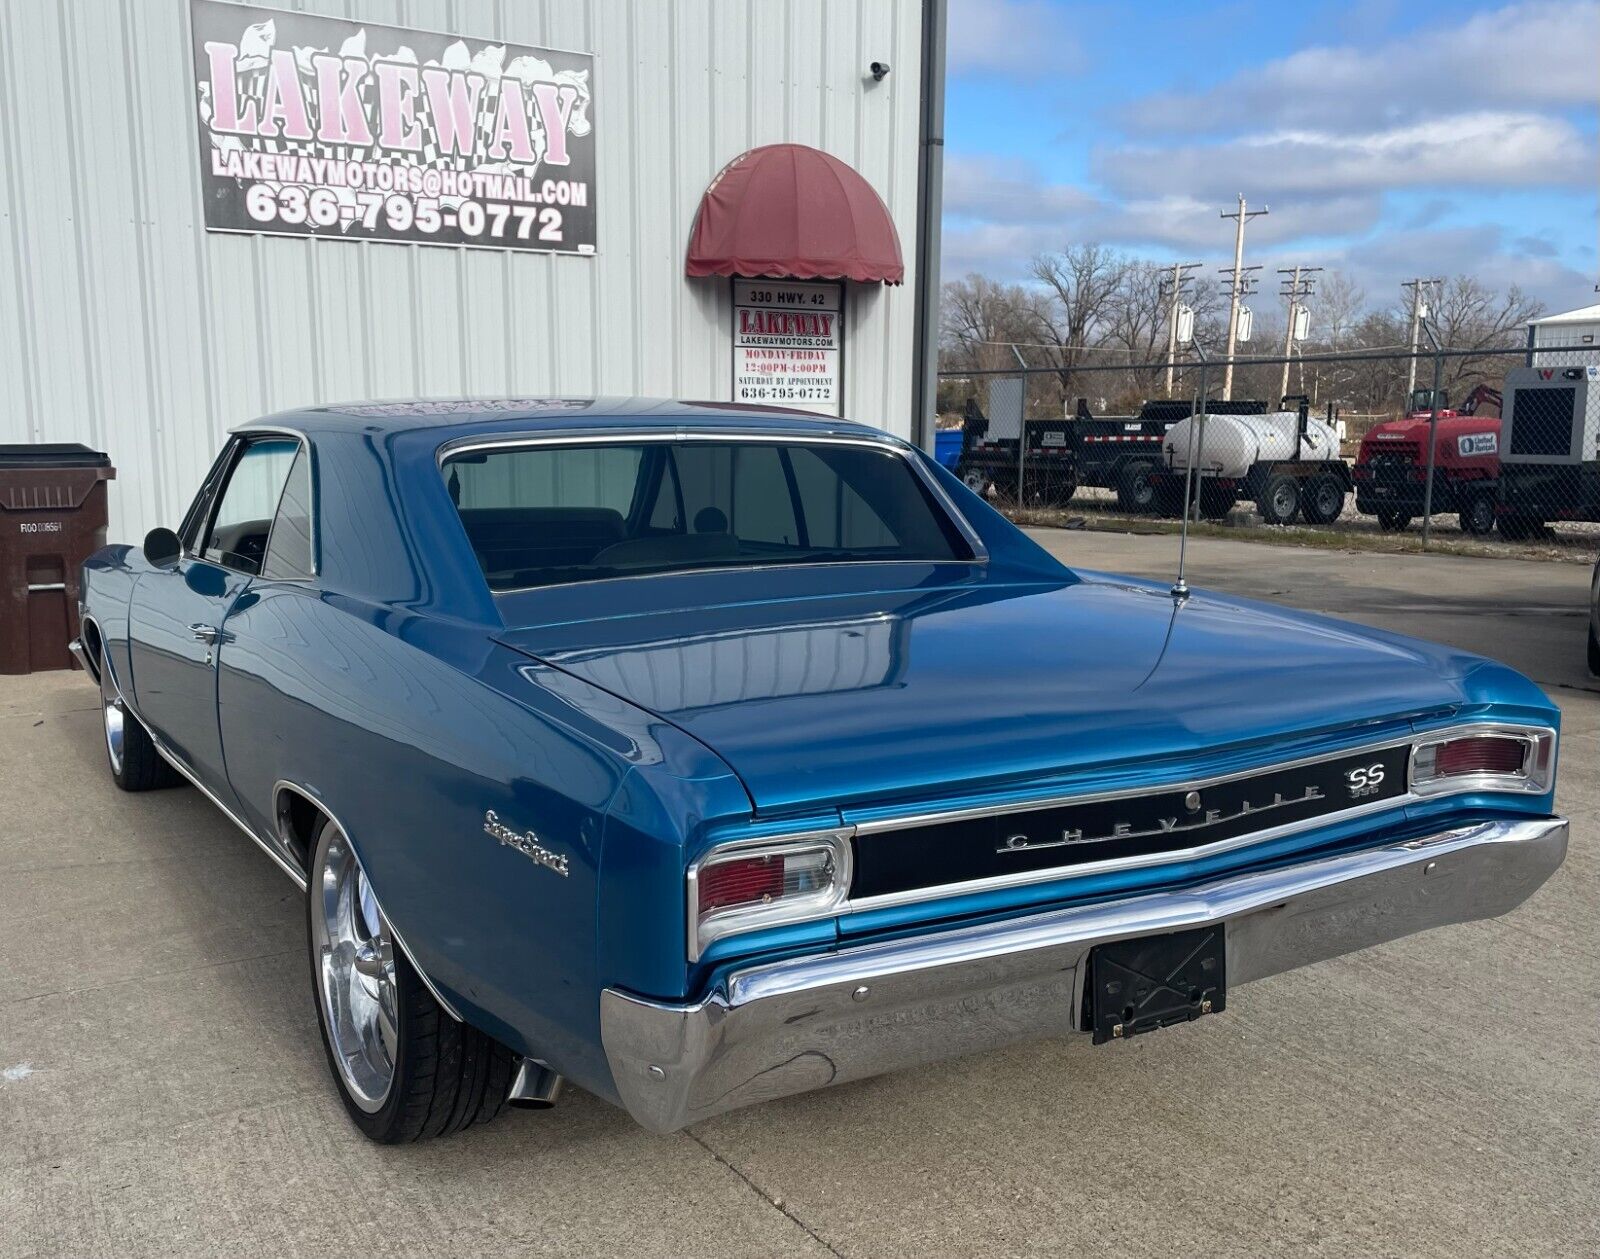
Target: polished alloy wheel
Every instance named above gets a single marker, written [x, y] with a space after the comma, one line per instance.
[115, 718]
[355, 974]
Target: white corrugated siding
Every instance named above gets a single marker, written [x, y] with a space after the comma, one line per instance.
[127, 326]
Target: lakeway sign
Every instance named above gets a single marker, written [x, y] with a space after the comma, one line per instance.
[314, 126]
[788, 344]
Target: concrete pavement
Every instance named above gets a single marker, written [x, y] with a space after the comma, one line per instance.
[163, 1091]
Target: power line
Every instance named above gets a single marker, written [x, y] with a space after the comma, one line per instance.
[1177, 281]
[1298, 285]
[1243, 214]
[1418, 287]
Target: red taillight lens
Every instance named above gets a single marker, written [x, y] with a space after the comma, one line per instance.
[788, 879]
[742, 881]
[1483, 755]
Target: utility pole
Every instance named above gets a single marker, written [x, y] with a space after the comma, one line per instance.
[1297, 286]
[1419, 288]
[1243, 215]
[1180, 277]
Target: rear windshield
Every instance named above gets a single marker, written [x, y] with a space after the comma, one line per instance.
[548, 514]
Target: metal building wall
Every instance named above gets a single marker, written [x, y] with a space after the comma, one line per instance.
[125, 325]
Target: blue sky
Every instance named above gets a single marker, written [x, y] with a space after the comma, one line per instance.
[1389, 139]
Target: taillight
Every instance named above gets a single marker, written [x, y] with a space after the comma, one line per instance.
[763, 883]
[1485, 759]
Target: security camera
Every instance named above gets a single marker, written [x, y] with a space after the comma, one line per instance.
[880, 70]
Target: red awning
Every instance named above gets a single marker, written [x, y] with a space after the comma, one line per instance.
[788, 210]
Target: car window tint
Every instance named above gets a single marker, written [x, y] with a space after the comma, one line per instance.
[541, 515]
[289, 546]
[835, 514]
[243, 517]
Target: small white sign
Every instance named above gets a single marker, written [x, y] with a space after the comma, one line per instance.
[1478, 444]
[788, 344]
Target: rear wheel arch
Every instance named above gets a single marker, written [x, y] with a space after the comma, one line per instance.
[299, 814]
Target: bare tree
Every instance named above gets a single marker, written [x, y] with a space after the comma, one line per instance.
[1080, 286]
[980, 319]
[1467, 315]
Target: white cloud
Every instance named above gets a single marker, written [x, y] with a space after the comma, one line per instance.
[1543, 53]
[1008, 37]
[1484, 149]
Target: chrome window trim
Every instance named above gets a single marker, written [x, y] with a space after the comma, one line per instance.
[240, 436]
[738, 920]
[886, 445]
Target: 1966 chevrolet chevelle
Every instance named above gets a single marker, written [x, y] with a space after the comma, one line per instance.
[704, 755]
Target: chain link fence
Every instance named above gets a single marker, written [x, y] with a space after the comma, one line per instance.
[1496, 451]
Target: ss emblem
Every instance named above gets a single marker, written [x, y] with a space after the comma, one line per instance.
[1364, 780]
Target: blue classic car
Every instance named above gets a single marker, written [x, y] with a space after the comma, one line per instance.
[702, 755]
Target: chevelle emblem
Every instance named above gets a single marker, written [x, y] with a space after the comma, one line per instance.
[525, 842]
[1166, 825]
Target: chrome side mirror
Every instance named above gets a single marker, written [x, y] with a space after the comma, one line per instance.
[162, 547]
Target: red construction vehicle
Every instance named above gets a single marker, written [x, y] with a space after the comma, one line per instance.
[1391, 472]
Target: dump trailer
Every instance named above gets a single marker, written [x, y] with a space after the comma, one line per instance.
[1114, 452]
[1549, 448]
[1286, 461]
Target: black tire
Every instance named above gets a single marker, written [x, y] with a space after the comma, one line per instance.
[1324, 500]
[130, 752]
[1279, 502]
[1136, 492]
[1055, 490]
[1391, 521]
[1169, 498]
[447, 1075]
[1477, 517]
[1517, 528]
[1594, 653]
[976, 480]
[1216, 501]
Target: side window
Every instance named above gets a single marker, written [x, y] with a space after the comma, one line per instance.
[243, 517]
[763, 508]
[289, 547]
[836, 514]
[194, 519]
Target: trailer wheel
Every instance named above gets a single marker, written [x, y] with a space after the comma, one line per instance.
[976, 480]
[1054, 490]
[1280, 501]
[1477, 517]
[1136, 493]
[1324, 501]
[1391, 521]
[1518, 528]
[1216, 501]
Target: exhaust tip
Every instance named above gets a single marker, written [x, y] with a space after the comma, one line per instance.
[534, 1086]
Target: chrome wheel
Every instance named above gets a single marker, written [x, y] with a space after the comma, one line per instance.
[355, 973]
[115, 715]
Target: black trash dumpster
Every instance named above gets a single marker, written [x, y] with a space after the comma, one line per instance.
[52, 518]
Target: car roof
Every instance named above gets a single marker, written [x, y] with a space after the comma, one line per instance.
[466, 417]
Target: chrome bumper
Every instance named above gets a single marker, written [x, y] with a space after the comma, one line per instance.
[786, 1027]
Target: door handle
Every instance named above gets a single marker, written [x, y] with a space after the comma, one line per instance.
[205, 633]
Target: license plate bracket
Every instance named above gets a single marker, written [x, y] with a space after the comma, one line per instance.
[1150, 982]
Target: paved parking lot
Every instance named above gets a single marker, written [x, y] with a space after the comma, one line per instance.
[163, 1091]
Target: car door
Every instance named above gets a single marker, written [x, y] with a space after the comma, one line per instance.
[176, 621]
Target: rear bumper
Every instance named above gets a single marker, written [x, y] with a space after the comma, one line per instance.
[791, 1026]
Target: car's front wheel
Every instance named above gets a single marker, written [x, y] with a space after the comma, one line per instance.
[404, 1068]
[130, 751]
